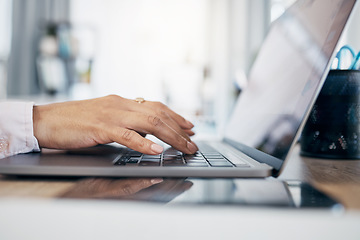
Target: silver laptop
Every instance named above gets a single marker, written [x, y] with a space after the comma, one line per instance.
[267, 119]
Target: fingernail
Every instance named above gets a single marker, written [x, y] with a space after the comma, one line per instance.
[188, 185]
[192, 147]
[156, 180]
[157, 148]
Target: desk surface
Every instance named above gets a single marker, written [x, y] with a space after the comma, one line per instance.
[339, 179]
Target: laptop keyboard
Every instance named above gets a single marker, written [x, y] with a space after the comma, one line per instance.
[205, 157]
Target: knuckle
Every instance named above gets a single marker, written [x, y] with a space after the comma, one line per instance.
[159, 105]
[142, 143]
[162, 113]
[155, 121]
[113, 97]
[145, 183]
[127, 134]
[127, 189]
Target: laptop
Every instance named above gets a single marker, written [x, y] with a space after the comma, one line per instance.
[266, 122]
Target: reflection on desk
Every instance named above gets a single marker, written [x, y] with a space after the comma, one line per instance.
[139, 189]
[242, 192]
[339, 179]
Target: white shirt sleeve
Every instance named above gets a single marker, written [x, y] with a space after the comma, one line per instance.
[16, 128]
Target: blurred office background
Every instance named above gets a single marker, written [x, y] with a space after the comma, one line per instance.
[192, 55]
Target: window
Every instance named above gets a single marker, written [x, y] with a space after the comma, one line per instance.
[278, 7]
[5, 41]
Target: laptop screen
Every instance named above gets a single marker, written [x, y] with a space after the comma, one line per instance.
[286, 77]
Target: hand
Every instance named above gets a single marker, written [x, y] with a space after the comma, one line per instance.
[164, 192]
[78, 124]
[139, 189]
[109, 188]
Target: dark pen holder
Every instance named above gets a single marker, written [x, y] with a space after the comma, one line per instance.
[332, 130]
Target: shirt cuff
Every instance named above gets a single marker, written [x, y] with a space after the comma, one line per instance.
[16, 128]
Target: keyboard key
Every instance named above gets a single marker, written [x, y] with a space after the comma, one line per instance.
[145, 156]
[213, 156]
[190, 157]
[197, 164]
[221, 164]
[135, 154]
[173, 161]
[196, 161]
[122, 159]
[173, 164]
[172, 152]
[216, 160]
[150, 160]
[132, 160]
[149, 163]
[209, 153]
[176, 158]
[197, 154]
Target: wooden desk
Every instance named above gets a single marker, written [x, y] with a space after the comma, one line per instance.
[339, 179]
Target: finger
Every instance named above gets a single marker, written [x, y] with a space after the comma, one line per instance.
[134, 141]
[160, 110]
[189, 132]
[178, 188]
[164, 188]
[167, 134]
[156, 126]
[157, 106]
[109, 188]
[181, 121]
[131, 186]
[169, 121]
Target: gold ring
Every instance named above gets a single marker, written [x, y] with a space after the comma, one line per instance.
[139, 100]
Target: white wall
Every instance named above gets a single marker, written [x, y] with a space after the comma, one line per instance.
[156, 49]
